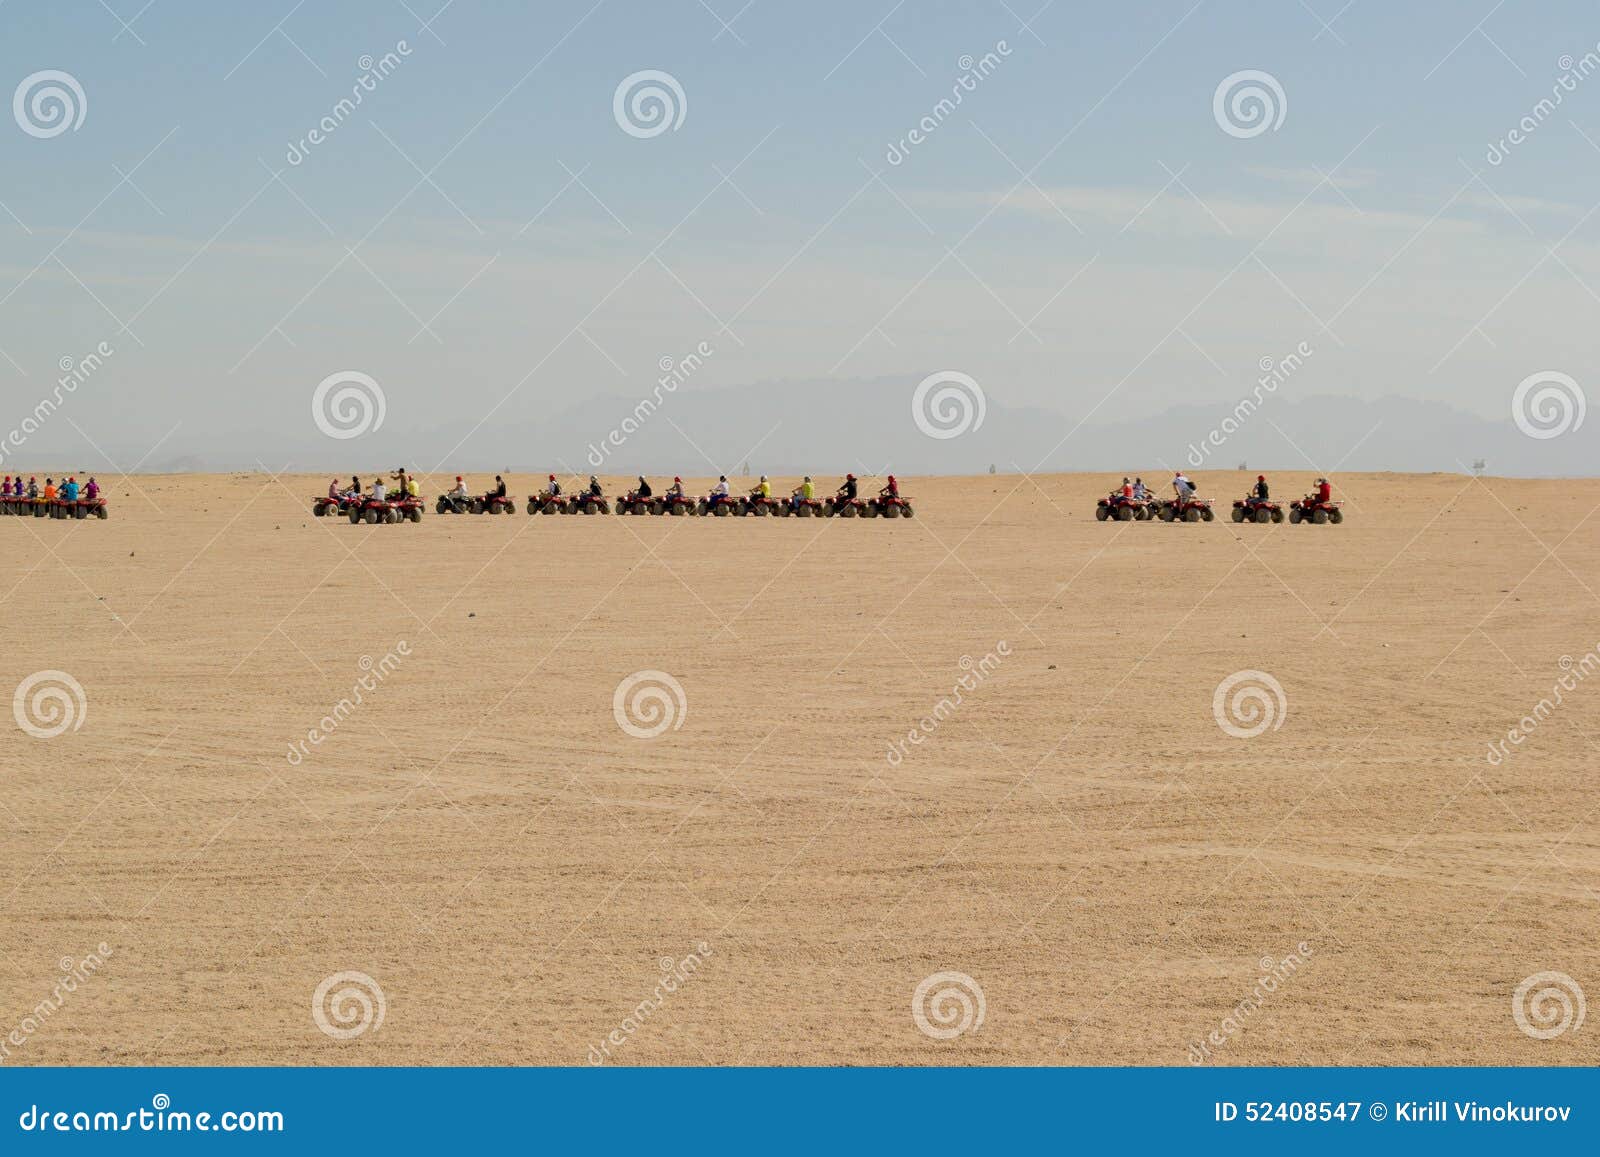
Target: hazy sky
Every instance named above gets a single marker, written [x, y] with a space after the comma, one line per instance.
[483, 238]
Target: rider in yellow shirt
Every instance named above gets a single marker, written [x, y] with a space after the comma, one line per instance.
[805, 492]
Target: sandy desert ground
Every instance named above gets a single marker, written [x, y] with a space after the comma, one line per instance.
[1080, 837]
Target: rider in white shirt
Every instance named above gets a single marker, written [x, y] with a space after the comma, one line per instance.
[379, 491]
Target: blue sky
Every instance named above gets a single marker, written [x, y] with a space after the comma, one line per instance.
[1079, 235]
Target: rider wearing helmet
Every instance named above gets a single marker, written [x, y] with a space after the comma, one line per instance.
[763, 489]
[594, 487]
[892, 490]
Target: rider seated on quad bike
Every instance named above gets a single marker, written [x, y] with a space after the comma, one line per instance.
[763, 489]
[805, 492]
[499, 490]
[594, 488]
[1183, 488]
[380, 492]
[91, 491]
[892, 490]
[643, 489]
[1140, 490]
[719, 492]
[676, 489]
[1261, 493]
[334, 493]
[1322, 494]
[552, 488]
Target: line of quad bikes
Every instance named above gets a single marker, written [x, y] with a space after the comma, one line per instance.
[54, 508]
[1118, 507]
[363, 508]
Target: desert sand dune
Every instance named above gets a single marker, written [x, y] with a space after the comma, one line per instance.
[1079, 835]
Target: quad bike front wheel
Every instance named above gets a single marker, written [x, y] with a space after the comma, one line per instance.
[1238, 514]
[1191, 515]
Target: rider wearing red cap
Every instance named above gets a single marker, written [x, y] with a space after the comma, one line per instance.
[890, 491]
[1260, 491]
[847, 489]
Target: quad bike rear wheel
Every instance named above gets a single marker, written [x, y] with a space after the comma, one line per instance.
[416, 514]
[372, 517]
[1191, 515]
[320, 509]
[1208, 514]
[1263, 515]
[1125, 514]
[1277, 516]
[80, 512]
[1168, 514]
[100, 512]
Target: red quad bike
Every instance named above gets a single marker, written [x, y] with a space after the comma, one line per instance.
[79, 508]
[1252, 509]
[892, 506]
[631, 503]
[1117, 507]
[493, 504]
[1308, 509]
[587, 503]
[450, 504]
[677, 505]
[409, 509]
[324, 506]
[847, 508]
[760, 506]
[371, 512]
[717, 506]
[547, 503]
[807, 508]
[1194, 510]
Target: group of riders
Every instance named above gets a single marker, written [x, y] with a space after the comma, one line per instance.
[68, 491]
[405, 487]
[1184, 490]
